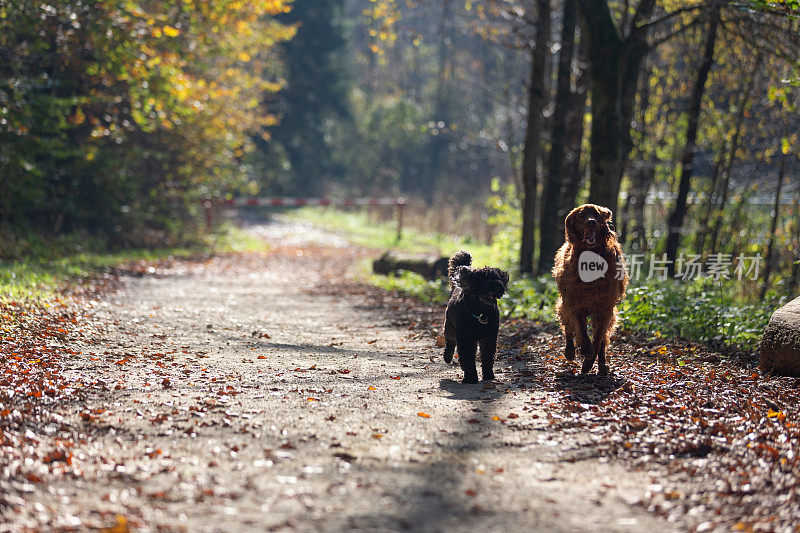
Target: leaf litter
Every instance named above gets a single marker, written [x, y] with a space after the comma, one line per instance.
[720, 441]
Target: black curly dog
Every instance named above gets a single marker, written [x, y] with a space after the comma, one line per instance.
[472, 317]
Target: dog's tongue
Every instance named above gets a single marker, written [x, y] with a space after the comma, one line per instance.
[589, 237]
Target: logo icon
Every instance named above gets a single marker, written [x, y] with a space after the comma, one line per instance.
[591, 266]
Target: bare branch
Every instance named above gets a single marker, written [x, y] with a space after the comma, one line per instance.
[672, 14]
[674, 33]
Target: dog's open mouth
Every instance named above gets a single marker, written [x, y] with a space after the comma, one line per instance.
[590, 237]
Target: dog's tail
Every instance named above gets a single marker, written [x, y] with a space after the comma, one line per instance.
[461, 258]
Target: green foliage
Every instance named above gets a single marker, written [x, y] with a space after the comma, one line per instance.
[413, 284]
[37, 277]
[48, 264]
[702, 311]
[384, 149]
[505, 215]
[532, 298]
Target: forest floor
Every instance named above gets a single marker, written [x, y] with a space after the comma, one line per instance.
[273, 392]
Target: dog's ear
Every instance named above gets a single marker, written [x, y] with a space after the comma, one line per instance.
[607, 217]
[504, 278]
[464, 277]
[571, 230]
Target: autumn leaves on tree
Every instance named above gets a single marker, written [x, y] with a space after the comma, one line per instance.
[115, 116]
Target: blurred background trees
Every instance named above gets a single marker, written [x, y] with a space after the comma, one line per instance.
[313, 103]
[116, 117]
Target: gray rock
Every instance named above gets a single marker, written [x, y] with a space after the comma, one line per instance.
[779, 352]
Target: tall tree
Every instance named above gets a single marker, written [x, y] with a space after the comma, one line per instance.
[574, 139]
[116, 116]
[642, 173]
[537, 97]
[615, 59]
[769, 260]
[549, 239]
[315, 95]
[675, 221]
[616, 51]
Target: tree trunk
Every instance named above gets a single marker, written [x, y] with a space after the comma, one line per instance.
[513, 160]
[768, 259]
[615, 64]
[719, 213]
[536, 103]
[675, 221]
[642, 175]
[573, 173]
[549, 240]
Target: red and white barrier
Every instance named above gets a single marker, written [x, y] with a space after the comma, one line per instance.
[277, 201]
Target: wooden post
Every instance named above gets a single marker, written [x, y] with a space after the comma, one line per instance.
[208, 207]
[399, 204]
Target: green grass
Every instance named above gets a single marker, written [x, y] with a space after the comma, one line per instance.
[48, 266]
[359, 228]
[232, 239]
[39, 277]
[531, 298]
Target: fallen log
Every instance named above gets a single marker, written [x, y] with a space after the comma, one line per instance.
[428, 266]
[779, 351]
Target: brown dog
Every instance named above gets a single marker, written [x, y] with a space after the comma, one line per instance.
[590, 273]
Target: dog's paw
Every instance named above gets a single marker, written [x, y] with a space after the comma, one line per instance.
[448, 357]
[587, 365]
[488, 376]
[569, 353]
[602, 370]
[586, 350]
[468, 380]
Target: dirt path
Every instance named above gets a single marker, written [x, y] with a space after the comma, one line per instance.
[239, 399]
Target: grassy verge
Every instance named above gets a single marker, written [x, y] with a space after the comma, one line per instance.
[37, 277]
[360, 228]
[531, 298]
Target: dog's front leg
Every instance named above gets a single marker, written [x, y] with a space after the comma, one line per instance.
[488, 350]
[449, 337]
[569, 349]
[466, 358]
[449, 349]
[586, 346]
[601, 325]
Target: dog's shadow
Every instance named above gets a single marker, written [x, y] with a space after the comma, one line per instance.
[588, 388]
[483, 390]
